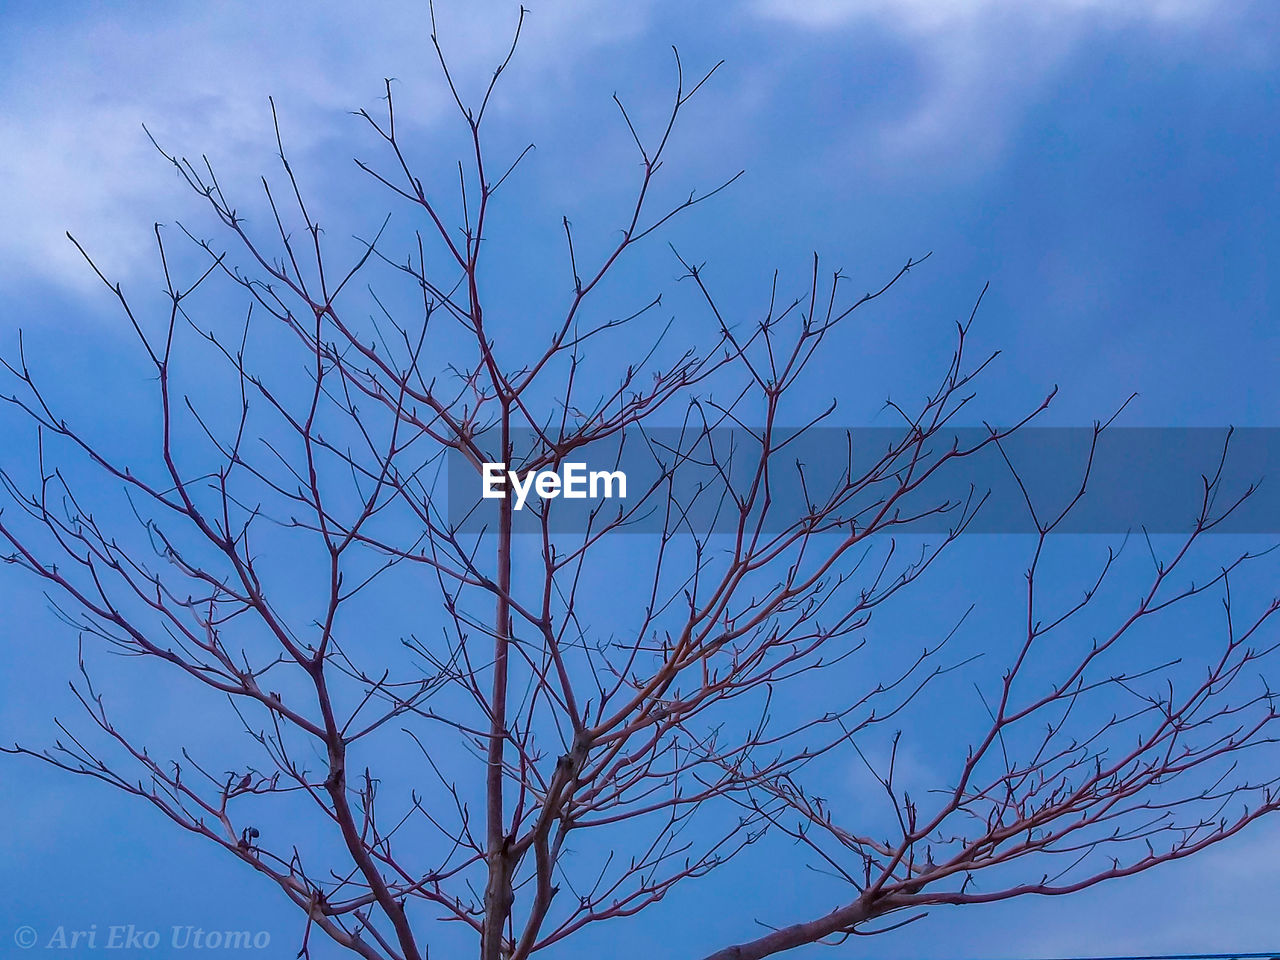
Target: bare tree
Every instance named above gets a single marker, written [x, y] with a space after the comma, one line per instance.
[527, 714]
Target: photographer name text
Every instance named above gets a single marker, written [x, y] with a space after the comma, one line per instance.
[129, 936]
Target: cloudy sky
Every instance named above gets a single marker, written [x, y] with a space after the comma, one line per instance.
[1109, 167]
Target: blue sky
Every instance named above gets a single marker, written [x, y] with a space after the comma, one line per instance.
[1109, 168]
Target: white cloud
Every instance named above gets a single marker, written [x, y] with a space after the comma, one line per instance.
[75, 93]
[71, 111]
[982, 60]
[945, 15]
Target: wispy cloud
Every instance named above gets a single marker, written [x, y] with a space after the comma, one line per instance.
[946, 15]
[76, 93]
[981, 62]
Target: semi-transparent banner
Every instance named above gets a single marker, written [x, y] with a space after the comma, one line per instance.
[703, 481]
